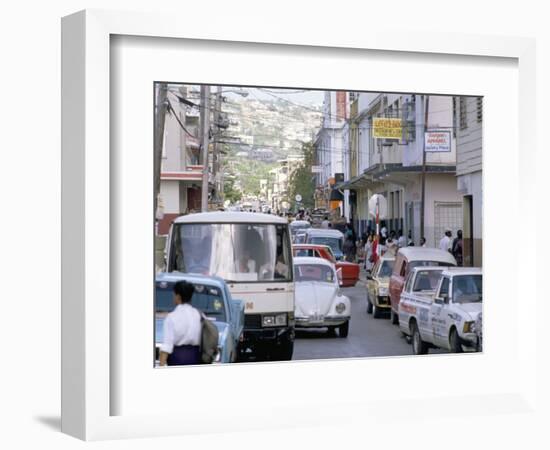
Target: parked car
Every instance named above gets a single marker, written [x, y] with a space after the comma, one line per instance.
[445, 317]
[319, 301]
[408, 258]
[350, 271]
[479, 332]
[298, 227]
[333, 238]
[213, 298]
[378, 298]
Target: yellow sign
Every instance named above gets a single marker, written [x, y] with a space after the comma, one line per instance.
[386, 128]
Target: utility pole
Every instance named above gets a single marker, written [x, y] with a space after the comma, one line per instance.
[423, 201]
[205, 141]
[216, 160]
[160, 118]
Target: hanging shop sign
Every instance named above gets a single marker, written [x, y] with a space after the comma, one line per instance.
[437, 141]
[383, 128]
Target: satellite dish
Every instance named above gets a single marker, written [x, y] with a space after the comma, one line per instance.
[382, 206]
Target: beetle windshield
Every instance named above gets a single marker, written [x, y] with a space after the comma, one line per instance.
[314, 272]
[467, 289]
[236, 252]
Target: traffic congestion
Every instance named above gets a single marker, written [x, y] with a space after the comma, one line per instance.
[272, 287]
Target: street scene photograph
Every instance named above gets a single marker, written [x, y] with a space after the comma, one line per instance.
[303, 224]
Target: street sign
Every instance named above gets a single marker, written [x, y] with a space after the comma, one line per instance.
[383, 128]
[378, 200]
[298, 198]
[437, 141]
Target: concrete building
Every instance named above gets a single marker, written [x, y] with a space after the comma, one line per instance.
[393, 167]
[468, 123]
[181, 168]
[330, 149]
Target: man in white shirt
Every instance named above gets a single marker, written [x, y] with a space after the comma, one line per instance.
[445, 242]
[325, 223]
[182, 330]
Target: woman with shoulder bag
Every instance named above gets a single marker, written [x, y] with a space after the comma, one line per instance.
[182, 330]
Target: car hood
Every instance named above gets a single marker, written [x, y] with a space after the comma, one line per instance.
[472, 309]
[222, 327]
[313, 298]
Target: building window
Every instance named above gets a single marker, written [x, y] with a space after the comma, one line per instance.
[479, 109]
[463, 113]
[455, 116]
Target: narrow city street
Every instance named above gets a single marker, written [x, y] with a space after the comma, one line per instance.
[367, 336]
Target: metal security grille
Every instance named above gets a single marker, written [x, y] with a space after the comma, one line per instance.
[448, 216]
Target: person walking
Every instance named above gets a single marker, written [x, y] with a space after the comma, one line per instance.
[325, 223]
[182, 330]
[369, 260]
[457, 247]
[422, 241]
[445, 243]
[349, 247]
[401, 241]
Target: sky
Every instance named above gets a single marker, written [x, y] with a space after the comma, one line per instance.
[301, 96]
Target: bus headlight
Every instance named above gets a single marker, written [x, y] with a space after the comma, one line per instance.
[276, 320]
[280, 319]
[340, 308]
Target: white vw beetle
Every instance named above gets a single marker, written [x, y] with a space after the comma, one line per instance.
[318, 300]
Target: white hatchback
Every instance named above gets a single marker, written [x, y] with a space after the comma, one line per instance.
[318, 299]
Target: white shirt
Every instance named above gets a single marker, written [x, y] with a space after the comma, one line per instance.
[401, 241]
[181, 327]
[324, 224]
[445, 243]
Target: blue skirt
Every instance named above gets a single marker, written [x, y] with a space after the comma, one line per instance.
[184, 355]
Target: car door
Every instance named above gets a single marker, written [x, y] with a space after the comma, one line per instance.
[371, 281]
[439, 314]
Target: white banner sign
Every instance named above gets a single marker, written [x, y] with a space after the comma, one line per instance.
[437, 141]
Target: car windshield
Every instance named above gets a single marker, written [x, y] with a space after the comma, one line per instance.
[314, 272]
[426, 280]
[386, 268]
[295, 226]
[209, 299]
[414, 264]
[235, 252]
[334, 243]
[467, 289]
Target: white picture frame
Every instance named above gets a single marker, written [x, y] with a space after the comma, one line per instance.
[87, 327]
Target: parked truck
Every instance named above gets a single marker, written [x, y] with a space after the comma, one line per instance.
[440, 308]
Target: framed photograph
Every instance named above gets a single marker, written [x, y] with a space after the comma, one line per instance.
[269, 225]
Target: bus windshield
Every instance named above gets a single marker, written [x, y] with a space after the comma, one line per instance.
[236, 252]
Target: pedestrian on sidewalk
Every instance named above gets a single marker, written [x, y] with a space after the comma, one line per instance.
[369, 259]
[182, 330]
[457, 247]
[349, 248]
[401, 241]
[422, 241]
[445, 243]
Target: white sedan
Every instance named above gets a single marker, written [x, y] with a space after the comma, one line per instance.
[319, 301]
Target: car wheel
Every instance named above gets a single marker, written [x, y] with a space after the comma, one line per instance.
[394, 317]
[343, 330]
[419, 347]
[454, 342]
[332, 331]
[369, 306]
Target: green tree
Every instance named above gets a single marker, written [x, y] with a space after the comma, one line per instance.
[302, 180]
[229, 191]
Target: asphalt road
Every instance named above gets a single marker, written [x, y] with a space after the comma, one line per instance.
[367, 336]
